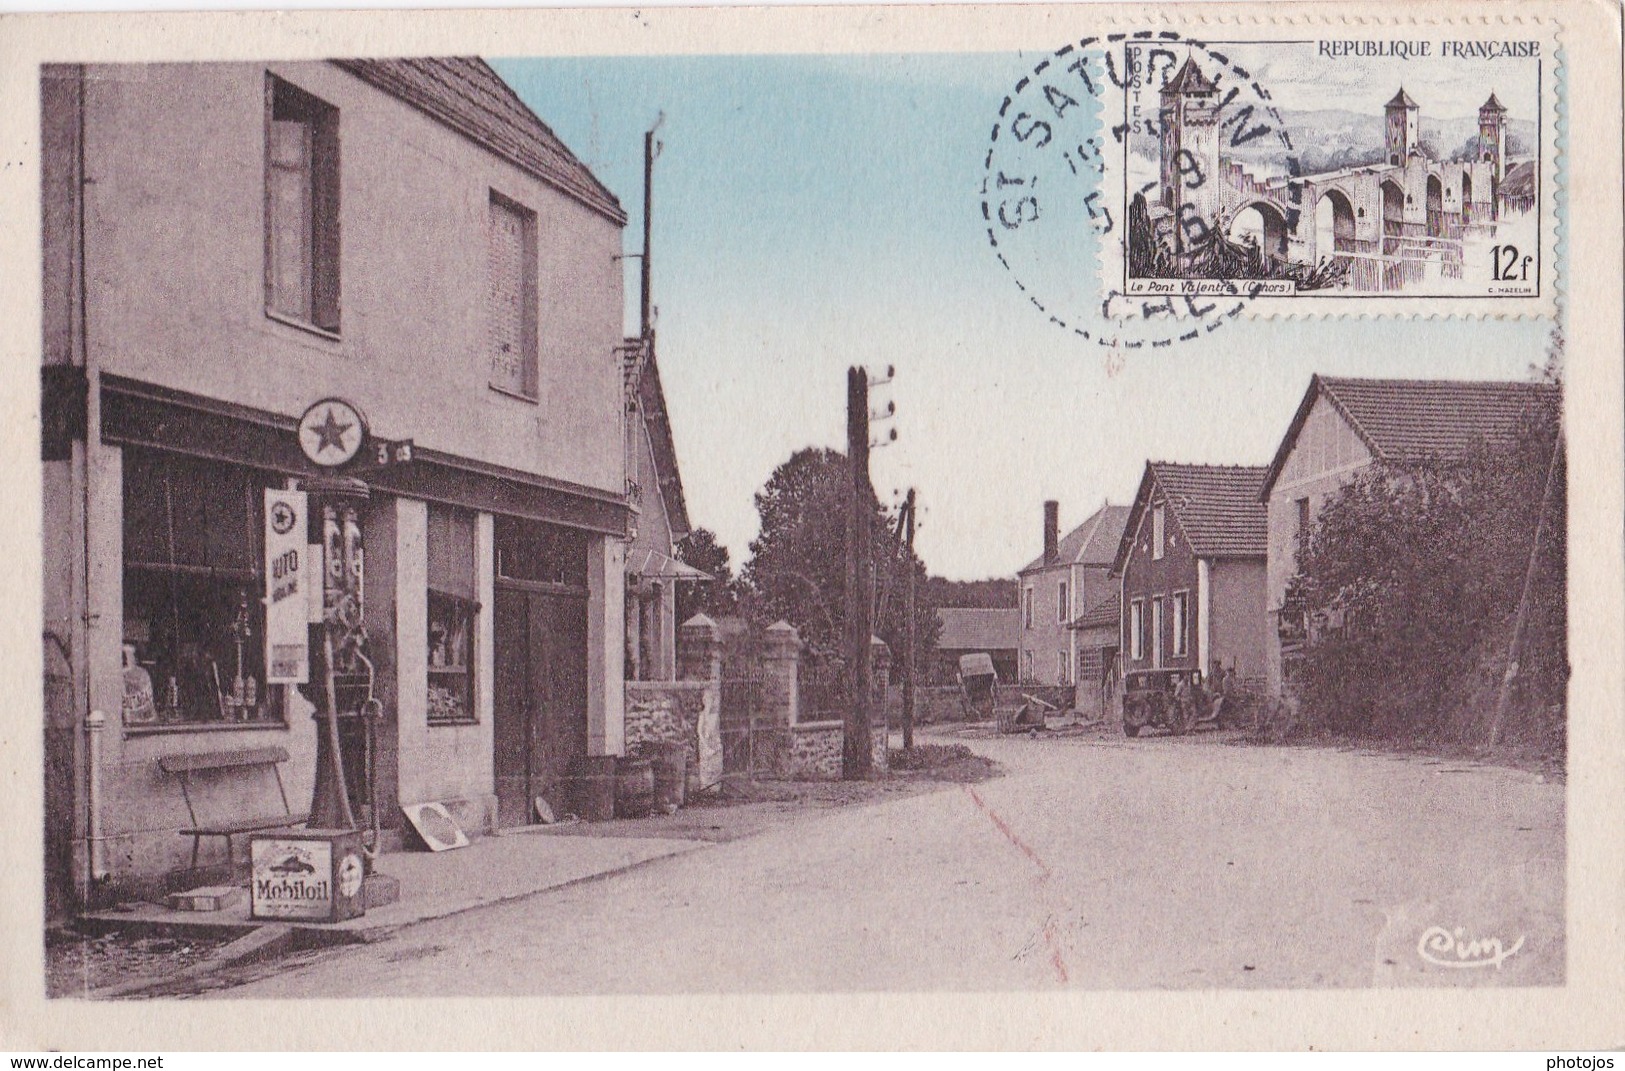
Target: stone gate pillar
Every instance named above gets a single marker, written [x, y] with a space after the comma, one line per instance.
[781, 675]
[699, 650]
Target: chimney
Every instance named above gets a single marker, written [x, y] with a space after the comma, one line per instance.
[1052, 531]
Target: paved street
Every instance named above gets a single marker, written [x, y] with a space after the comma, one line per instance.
[1093, 863]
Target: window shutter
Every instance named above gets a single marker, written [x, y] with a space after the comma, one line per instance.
[324, 195]
[505, 299]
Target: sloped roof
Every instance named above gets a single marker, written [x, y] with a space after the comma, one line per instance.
[1408, 420]
[1519, 180]
[465, 94]
[1218, 507]
[1401, 99]
[1189, 79]
[653, 565]
[978, 630]
[1094, 542]
[1103, 614]
[1491, 105]
[652, 406]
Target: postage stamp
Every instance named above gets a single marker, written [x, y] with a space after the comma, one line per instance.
[1162, 183]
[453, 581]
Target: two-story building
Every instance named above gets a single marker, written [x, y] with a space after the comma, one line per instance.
[401, 245]
[1069, 576]
[1191, 569]
[1343, 425]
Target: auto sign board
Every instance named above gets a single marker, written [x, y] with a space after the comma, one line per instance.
[313, 875]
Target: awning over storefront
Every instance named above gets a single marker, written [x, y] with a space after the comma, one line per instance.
[653, 565]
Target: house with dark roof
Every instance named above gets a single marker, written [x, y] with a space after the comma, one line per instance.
[971, 630]
[660, 522]
[1343, 425]
[1191, 570]
[386, 270]
[1068, 576]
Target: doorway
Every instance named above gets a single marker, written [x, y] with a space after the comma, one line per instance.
[539, 722]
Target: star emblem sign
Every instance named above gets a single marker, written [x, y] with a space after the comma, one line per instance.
[331, 432]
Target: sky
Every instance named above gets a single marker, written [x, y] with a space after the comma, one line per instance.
[813, 212]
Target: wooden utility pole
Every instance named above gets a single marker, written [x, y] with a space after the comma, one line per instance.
[1521, 619]
[908, 610]
[644, 325]
[857, 761]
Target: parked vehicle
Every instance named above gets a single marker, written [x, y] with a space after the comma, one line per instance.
[1177, 700]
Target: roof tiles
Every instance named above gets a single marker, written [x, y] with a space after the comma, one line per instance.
[464, 93]
[1217, 506]
[978, 630]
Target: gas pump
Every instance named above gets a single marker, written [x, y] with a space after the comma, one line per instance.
[326, 871]
[341, 673]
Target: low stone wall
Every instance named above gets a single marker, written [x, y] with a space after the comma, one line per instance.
[814, 752]
[668, 712]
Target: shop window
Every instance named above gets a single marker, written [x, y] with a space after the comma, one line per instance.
[1136, 630]
[301, 207]
[193, 580]
[453, 613]
[511, 296]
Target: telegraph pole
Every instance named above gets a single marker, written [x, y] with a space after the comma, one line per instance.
[857, 760]
[908, 610]
[644, 325]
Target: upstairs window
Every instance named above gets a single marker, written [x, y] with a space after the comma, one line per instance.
[1027, 607]
[301, 207]
[1060, 603]
[1158, 535]
[510, 301]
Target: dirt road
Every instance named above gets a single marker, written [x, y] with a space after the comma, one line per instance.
[1095, 863]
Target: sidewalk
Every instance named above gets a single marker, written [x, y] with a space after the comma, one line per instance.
[436, 884]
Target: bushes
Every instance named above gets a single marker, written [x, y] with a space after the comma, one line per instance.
[1411, 580]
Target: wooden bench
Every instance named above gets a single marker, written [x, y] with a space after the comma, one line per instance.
[254, 758]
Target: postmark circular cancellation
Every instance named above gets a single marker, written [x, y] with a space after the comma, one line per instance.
[1142, 189]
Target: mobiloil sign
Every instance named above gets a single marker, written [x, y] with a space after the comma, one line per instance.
[314, 875]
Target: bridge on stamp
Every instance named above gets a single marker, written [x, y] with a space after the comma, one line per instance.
[1390, 221]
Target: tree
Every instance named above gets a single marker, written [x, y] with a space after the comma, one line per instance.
[1411, 579]
[797, 568]
[719, 597]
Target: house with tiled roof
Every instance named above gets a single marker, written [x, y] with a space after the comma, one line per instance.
[1190, 567]
[1343, 425]
[975, 630]
[655, 488]
[1069, 575]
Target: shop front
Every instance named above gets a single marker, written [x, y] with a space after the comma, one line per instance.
[485, 656]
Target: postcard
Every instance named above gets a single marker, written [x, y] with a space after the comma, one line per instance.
[921, 526]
